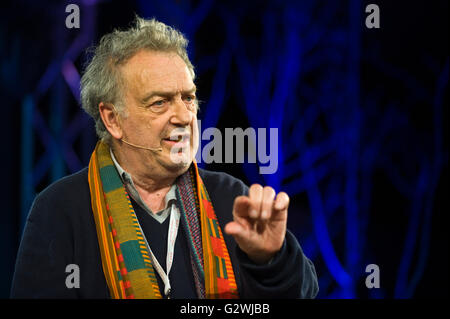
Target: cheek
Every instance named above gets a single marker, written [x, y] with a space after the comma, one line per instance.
[144, 128]
[152, 123]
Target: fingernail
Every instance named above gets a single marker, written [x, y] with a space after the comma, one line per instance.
[253, 213]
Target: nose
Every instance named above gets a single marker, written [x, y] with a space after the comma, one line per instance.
[181, 115]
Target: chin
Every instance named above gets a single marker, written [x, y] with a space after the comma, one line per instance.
[178, 166]
[180, 157]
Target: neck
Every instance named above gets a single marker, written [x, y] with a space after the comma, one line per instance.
[152, 195]
[151, 184]
[148, 176]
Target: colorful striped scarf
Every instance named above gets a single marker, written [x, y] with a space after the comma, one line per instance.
[125, 258]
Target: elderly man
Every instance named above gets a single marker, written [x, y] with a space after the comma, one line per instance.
[143, 221]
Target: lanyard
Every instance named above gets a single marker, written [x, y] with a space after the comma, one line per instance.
[171, 238]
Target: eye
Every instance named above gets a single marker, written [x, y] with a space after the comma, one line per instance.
[158, 103]
[189, 98]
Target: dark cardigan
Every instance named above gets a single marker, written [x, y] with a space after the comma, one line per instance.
[60, 230]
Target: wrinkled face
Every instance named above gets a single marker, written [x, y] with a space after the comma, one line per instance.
[161, 110]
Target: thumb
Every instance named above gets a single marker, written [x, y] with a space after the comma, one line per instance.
[236, 230]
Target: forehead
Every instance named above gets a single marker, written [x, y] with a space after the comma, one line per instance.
[158, 71]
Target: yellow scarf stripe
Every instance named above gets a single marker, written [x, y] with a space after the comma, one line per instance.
[108, 254]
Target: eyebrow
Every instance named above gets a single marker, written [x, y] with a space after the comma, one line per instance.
[167, 94]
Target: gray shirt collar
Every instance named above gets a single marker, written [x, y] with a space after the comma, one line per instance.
[128, 182]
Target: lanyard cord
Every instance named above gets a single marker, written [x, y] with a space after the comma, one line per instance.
[171, 238]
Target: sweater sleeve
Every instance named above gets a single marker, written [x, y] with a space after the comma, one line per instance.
[289, 275]
[44, 253]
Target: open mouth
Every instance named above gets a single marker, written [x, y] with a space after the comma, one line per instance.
[177, 138]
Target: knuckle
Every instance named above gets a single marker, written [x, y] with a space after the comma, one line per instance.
[269, 190]
[256, 187]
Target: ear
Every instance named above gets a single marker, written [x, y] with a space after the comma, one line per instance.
[110, 119]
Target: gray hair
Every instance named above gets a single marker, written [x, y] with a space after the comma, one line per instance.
[102, 81]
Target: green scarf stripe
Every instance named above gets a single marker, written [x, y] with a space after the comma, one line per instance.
[110, 179]
[142, 246]
[218, 266]
[210, 229]
[224, 268]
[131, 255]
[216, 228]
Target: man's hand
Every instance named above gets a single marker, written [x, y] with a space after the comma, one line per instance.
[259, 225]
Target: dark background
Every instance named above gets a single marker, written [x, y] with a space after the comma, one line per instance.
[362, 117]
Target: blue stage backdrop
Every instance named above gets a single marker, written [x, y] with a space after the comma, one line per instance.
[361, 113]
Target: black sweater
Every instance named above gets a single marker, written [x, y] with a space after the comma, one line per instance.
[60, 230]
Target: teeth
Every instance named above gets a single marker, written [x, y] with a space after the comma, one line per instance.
[176, 138]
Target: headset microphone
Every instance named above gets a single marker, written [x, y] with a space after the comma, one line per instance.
[159, 149]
